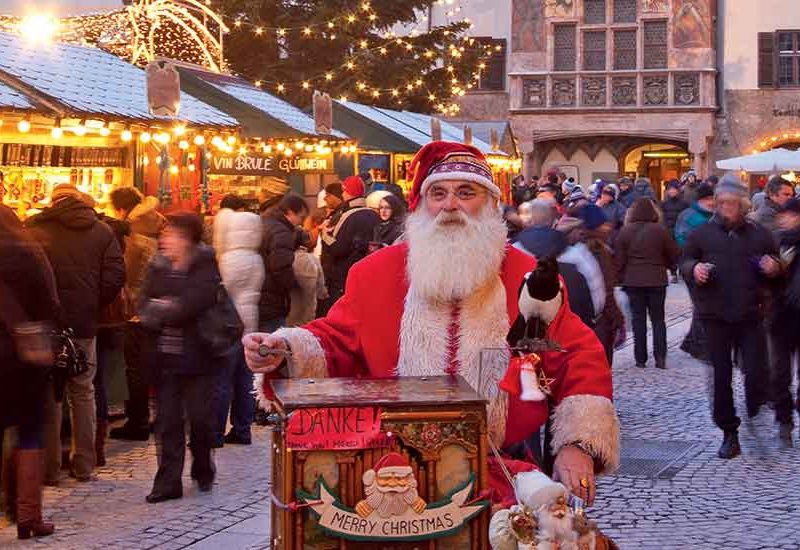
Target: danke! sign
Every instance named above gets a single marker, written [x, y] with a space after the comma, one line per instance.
[263, 165]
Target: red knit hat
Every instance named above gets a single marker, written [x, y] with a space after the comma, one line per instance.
[353, 186]
[447, 160]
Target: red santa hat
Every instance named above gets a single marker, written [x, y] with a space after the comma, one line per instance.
[353, 186]
[447, 160]
[393, 463]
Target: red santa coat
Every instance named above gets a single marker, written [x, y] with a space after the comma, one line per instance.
[380, 329]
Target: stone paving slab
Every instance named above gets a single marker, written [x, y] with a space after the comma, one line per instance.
[750, 503]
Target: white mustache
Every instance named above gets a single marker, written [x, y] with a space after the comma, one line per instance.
[448, 218]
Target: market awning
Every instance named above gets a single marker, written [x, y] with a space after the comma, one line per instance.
[387, 130]
[85, 82]
[11, 99]
[260, 113]
[774, 160]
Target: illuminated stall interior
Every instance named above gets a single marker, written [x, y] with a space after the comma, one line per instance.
[278, 148]
[75, 114]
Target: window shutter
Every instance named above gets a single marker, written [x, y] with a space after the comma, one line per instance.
[766, 59]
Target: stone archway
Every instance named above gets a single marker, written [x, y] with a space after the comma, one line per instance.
[586, 150]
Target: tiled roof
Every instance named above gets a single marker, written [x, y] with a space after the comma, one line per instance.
[449, 132]
[10, 98]
[93, 82]
[414, 126]
[380, 116]
[482, 129]
[263, 101]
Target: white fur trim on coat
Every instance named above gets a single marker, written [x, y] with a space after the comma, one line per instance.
[483, 326]
[307, 360]
[592, 421]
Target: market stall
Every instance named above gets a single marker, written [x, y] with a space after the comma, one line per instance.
[389, 139]
[73, 114]
[756, 168]
[279, 147]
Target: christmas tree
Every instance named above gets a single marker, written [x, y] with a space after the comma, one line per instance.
[347, 48]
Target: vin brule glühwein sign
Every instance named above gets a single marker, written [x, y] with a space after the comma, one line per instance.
[253, 164]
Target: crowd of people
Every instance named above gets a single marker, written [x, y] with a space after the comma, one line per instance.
[736, 253]
[139, 283]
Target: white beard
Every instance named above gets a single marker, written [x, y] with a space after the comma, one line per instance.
[449, 261]
[449, 265]
[390, 504]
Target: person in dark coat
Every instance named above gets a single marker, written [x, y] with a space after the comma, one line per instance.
[690, 184]
[90, 272]
[541, 240]
[597, 232]
[180, 286]
[699, 213]
[345, 239]
[392, 212]
[523, 191]
[28, 304]
[644, 251]
[784, 323]
[672, 207]
[277, 250]
[145, 222]
[625, 196]
[729, 261]
[778, 192]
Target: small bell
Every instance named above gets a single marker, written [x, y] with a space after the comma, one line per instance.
[529, 380]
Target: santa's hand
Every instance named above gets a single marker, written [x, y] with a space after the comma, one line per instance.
[575, 469]
[363, 509]
[264, 353]
[418, 506]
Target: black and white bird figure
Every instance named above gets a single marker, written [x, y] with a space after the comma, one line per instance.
[539, 300]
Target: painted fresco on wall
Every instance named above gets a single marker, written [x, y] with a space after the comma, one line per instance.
[527, 24]
[559, 8]
[655, 6]
[691, 24]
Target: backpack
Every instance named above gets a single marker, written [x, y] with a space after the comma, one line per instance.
[220, 326]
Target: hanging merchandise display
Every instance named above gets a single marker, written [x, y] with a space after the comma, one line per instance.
[205, 195]
[164, 190]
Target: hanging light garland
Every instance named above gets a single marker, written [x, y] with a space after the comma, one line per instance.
[181, 29]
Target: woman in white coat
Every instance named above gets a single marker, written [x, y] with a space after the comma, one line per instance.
[237, 239]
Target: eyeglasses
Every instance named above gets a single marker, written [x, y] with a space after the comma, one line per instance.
[463, 193]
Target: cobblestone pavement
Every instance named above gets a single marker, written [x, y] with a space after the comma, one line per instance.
[692, 500]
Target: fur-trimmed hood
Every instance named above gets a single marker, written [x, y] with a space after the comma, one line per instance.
[145, 218]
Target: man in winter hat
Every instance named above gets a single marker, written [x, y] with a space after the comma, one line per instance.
[730, 261]
[345, 237]
[431, 305]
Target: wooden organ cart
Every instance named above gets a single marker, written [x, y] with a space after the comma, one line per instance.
[348, 455]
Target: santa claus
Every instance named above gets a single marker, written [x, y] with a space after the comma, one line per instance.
[443, 302]
[390, 489]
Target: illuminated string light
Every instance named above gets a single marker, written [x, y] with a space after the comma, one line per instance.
[446, 51]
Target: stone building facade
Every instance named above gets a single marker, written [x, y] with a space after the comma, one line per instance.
[760, 80]
[602, 88]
